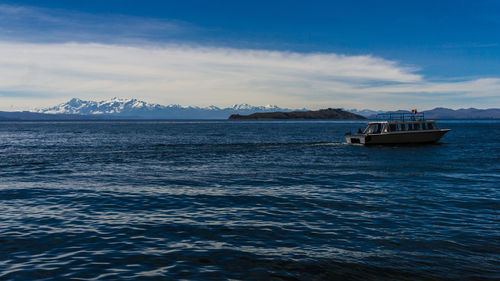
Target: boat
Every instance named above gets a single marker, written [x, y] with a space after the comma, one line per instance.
[398, 128]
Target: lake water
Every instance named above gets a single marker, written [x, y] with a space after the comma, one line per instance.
[218, 200]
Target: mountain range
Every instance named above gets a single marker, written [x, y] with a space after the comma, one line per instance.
[463, 113]
[116, 108]
[446, 113]
[137, 109]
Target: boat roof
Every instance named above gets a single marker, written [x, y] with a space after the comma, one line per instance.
[400, 116]
[399, 121]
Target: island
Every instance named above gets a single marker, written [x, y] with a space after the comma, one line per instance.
[329, 113]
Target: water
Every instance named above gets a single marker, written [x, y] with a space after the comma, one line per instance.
[217, 200]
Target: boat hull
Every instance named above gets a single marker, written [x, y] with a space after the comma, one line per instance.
[407, 137]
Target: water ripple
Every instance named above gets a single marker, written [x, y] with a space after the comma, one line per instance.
[244, 200]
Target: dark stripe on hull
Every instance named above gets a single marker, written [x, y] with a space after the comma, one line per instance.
[399, 137]
[410, 137]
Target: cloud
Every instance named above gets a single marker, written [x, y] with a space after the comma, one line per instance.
[48, 56]
[222, 76]
[478, 88]
[32, 24]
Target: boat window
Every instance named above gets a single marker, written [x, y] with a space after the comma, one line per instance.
[410, 127]
[402, 127]
[393, 127]
[370, 129]
[416, 126]
[429, 126]
[423, 126]
[373, 129]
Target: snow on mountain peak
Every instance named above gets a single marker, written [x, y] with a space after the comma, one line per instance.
[138, 108]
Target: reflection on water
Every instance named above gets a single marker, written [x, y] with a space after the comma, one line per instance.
[244, 200]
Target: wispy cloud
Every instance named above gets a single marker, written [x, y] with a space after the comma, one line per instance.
[49, 56]
[31, 24]
[222, 76]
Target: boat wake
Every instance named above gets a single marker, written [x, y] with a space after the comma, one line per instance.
[251, 144]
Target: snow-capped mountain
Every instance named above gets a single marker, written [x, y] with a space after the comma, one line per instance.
[246, 106]
[112, 106]
[134, 108]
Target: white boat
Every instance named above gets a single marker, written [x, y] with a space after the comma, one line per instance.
[398, 128]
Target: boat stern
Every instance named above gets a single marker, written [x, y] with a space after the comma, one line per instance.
[355, 139]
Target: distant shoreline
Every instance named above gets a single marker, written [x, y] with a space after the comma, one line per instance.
[437, 114]
[322, 114]
[220, 119]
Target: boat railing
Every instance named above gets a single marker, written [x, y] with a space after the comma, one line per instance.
[401, 116]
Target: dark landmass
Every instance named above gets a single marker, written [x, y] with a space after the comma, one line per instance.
[319, 114]
[463, 113]
[31, 116]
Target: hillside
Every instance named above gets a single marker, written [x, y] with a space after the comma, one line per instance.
[26, 115]
[447, 113]
[319, 114]
[463, 113]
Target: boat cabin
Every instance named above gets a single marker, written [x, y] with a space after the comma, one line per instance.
[379, 127]
[400, 122]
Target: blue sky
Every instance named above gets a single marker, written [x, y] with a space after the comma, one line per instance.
[364, 54]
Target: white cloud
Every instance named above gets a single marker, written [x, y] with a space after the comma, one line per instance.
[42, 74]
[32, 24]
[38, 67]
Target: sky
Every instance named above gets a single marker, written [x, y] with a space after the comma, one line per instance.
[380, 55]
